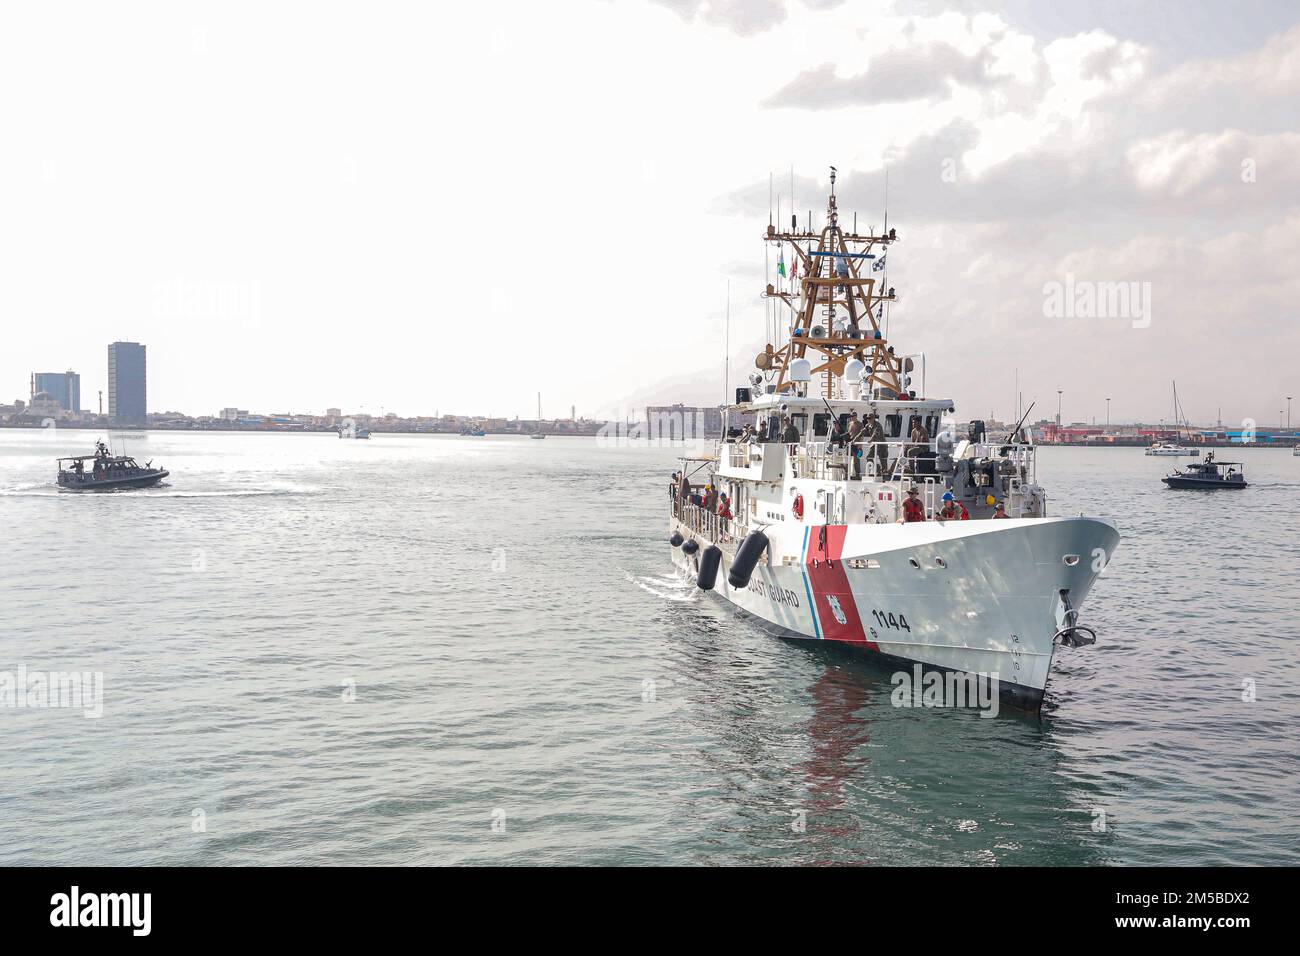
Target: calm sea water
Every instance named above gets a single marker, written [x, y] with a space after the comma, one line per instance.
[420, 650]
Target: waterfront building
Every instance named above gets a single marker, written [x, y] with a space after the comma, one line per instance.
[126, 383]
[64, 386]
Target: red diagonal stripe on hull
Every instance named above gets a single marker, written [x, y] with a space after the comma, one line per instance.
[829, 579]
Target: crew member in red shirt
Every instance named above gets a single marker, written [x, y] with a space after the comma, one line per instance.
[724, 507]
[913, 510]
[953, 509]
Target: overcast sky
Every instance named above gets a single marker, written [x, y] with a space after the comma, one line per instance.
[419, 207]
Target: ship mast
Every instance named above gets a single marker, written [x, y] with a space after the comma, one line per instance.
[832, 263]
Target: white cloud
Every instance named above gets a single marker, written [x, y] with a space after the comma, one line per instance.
[598, 169]
[1216, 165]
[745, 17]
[1271, 70]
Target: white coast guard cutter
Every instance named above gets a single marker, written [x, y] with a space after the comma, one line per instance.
[818, 547]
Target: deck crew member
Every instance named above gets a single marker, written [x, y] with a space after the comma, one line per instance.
[724, 506]
[789, 433]
[876, 438]
[761, 436]
[953, 510]
[835, 435]
[913, 510]
[920, 439]
[856, 430]
[1001, 511]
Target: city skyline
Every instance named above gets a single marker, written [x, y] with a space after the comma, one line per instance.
[70, 381]
[661, 395]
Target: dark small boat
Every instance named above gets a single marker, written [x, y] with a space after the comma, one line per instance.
[107, 472]
[1209, 474]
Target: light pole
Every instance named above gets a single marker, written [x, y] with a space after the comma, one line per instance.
[1108, 414]
[1288, 413]
[1058, 409]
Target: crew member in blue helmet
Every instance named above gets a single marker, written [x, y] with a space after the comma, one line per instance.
[953, 510]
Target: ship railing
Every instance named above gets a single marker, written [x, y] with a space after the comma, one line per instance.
[1017, 499]
[709, 525]
[930, 497]
[1021, 455]
[835, 462]
[820, 460]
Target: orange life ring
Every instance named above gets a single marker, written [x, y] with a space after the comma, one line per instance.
[797, 507]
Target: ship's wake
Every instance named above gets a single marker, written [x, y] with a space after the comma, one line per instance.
[670, 586]
[162, 491]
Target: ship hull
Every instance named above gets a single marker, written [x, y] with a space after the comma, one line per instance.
[1180, 481]
[972, 597]
[115, 484]
[1016, 696]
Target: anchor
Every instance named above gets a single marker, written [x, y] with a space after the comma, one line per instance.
[1073, 634]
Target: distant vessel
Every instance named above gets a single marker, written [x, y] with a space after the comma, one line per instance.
[885, 538]
[1209, 474]
[472, 433]
[107, 473]
[1172, 449]
[348, 432]
[538, 434]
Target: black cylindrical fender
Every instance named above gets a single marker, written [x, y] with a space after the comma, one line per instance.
[676, 539]
[710, 561]
[747, 555]
[690, 547]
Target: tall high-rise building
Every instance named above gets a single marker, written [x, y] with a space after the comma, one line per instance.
[126, 383]
[65, 386]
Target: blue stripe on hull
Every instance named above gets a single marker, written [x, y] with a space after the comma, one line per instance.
[807, 590]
